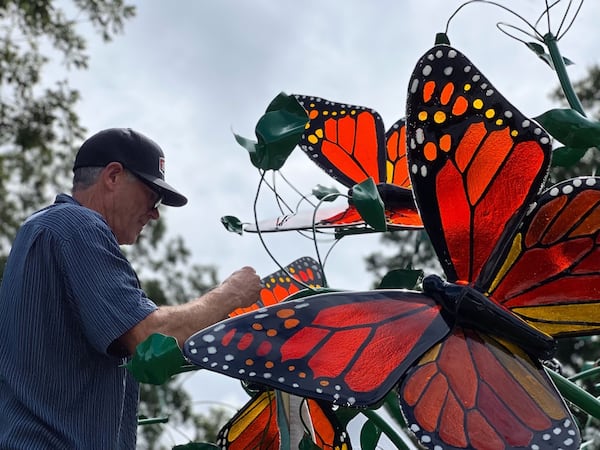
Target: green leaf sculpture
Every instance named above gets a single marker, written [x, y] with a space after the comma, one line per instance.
[233, 224]
[369, 205]
[277, 132]
[571, 128]
[156, 359]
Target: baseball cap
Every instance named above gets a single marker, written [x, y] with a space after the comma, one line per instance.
[138, 154]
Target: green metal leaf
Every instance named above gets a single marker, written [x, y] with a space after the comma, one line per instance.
[233, 224]
[567, 156]
[369, 436]
[321, 192]
[401, 279]
[540, 51]
[277, 132]
[571, 128]
[255, 150]
[197, 446]
[307, 443]
[392, 406]
[576, 395]
[156, 359]
[369, 204]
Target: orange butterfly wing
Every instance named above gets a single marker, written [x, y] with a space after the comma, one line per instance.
[474, 391]
[476, 162]
[346, 141]
[323, 346]
[560, 238]
[281, 284]
[253, 426]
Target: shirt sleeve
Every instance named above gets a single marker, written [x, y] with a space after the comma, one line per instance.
[103, 286]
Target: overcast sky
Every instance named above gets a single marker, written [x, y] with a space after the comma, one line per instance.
[188, 72]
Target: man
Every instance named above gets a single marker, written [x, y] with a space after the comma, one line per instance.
[71, 307]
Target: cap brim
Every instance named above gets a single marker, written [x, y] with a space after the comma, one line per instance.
[170, 195]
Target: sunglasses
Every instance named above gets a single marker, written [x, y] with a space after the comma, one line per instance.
[159, 194]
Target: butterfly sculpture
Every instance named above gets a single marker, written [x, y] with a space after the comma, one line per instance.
[300, 274]
[255, 425]
[522, 269]
[350, 144]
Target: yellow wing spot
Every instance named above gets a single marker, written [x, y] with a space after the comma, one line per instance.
[431, 355]
[477, 103]
[312, 139]
[319, 133]
[490, 113]
[439, 117]
[325, 113]
[467, 87]
[249, 362]
[334, 113]
[514, 133]
[352, 113]
[343, 112]
[499, 122]
[422, 116]
[430, 151]
[257, 326]
[281, 279]
[291, 270]
[312, 105]
[446, 142]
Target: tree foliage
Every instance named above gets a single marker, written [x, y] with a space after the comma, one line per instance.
[39, 134]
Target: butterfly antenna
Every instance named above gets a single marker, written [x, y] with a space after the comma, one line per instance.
[536, 35]
[302, 196]
[559, 35]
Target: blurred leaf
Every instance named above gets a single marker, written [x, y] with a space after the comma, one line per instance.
[567, 156]
[369, 436]
[369, 205]
[278, 132]
[571, 128]
[401, 279]
[233, 224]
[321, 192]
[156, 359]
[196, 446]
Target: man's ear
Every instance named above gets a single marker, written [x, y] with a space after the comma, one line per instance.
[112, 174]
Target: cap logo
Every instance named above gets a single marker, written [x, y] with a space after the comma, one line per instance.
[161, 165]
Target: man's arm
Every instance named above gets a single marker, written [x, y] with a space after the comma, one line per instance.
[241, 289]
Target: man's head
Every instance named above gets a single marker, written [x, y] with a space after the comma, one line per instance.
[120, 173]
[136, 152]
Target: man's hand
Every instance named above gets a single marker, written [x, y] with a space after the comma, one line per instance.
[242, 288]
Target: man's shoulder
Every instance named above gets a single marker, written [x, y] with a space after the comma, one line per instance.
[66, 216]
